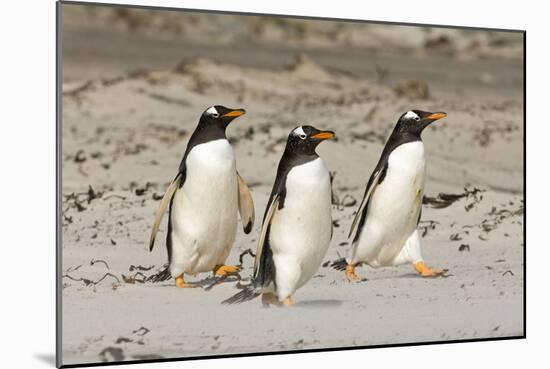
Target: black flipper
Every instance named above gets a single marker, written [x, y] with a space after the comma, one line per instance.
[169, 234]
[375, 179]
[419, 215]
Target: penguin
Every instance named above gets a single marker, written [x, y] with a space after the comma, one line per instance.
[203, 201]
[297, 223]
[390, 211]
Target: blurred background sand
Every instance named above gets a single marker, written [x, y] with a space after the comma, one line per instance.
[134, 85]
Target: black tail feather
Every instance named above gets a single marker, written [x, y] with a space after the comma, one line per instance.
[247, 294]
[339, 264]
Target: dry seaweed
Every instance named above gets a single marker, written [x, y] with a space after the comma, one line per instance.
[243, 254]
[140, 191]
[76, 200]
[111, 354]
[131, 268]
[93, 262]
[497, 217]
[79, 157]
[141, 331]
[123, 340]
[72, 269]
[138, 277]
[88, 282]
[443, 200]
[458, 236]
[426, 225]
[92, 195]
[464, 247]
[114, 195]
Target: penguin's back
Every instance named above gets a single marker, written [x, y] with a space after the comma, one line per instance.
[394, 207]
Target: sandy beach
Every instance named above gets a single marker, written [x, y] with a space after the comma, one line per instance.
[130, 102]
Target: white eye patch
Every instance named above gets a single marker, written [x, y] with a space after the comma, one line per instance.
[212, 111]
[411, 115]
[299, 132]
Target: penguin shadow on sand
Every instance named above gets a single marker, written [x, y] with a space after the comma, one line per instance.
[411, 275]
[319, 304]
[206, 283]
[399, 275]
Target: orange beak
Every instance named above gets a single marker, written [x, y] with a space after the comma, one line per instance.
[323, 135]
[235, 113]
[436, 116]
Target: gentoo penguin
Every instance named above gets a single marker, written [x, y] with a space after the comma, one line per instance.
[389, 214]
[297, 223]
[203, 201]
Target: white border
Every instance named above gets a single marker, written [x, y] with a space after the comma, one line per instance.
[28, 181]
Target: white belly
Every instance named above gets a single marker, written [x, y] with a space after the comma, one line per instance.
[301, 231]
[204, 210]
[394, 207]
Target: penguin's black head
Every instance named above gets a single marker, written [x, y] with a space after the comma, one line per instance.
[414, 121]
[304, 139]
[219, 116]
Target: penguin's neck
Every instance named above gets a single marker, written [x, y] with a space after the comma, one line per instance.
[399, 138]
[293, 158]
[205, 133]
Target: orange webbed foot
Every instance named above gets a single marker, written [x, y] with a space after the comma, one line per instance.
[180, 283]
[350, 273]
[221, 270]
[427, 272]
